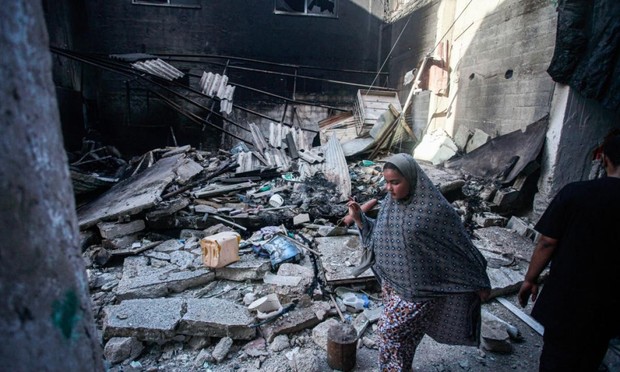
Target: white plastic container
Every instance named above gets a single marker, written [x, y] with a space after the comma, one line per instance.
[356, 302]
[220, 249]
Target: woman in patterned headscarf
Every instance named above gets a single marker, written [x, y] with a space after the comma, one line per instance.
[432, 276]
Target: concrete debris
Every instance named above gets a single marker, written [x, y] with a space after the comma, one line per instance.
[435, 147]
[293, 252]
[221, 349]
[119, 349]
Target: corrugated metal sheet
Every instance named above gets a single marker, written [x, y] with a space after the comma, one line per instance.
[159, 68]
[336, 168]
[216, 85]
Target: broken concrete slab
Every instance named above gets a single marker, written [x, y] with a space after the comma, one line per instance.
[170, 245]
[141, 279]
[445, 179]
[247, 268]
[216, 189]
[132, 195]
[162, 319]
[478, 139]
[167, 207]
[187, 170]
[339, 255]
[462, 136]
[111, 230]
[282, 280]
[504, 241]
[217, 318]
[505, 280]
[152, 320]
[294, 321]
[493, 335]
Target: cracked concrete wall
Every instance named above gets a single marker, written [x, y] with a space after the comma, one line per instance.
[498, 54]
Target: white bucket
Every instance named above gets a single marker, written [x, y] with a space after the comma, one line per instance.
[276, 201]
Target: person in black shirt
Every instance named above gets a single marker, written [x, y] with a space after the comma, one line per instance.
[579, 305]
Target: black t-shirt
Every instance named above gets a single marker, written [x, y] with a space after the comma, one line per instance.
[583, 286]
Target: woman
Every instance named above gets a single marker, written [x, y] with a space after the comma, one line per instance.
[432, 277]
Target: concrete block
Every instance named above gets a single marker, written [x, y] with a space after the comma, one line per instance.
[461, 137]
[216, 318]
[295, 321]
[319, 333]
[141, 280]
[145, 319]
[301, 219]
[435, 147]
[478, 139]
[221, 349]
[518, 225]
[119, 349]
[248, 268]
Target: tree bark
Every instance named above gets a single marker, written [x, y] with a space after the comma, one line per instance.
[46, 321]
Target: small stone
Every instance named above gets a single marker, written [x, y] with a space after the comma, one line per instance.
[222, 348]
[279, 343]
[203, 357]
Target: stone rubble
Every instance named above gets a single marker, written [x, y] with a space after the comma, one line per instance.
[153, 297]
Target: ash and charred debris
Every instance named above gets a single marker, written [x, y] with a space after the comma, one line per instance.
[150, 287]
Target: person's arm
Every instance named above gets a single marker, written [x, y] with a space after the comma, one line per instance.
[540, 258]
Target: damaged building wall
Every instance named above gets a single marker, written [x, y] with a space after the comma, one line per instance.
[500, 63]
[576, 128]
[497, 53]
[129, 114]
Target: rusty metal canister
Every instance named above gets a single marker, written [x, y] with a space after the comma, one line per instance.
[341, 347]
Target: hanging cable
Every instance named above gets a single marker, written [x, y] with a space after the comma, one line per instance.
[389, 54]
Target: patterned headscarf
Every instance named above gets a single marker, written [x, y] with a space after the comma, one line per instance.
[420, 246]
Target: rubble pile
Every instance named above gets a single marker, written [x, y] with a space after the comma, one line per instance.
[159, 300]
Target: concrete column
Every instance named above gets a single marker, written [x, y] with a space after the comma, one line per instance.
[45, 318]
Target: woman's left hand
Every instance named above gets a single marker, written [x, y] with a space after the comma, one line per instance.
[484, 294]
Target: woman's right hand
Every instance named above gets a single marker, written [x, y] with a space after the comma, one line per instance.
[355, 211]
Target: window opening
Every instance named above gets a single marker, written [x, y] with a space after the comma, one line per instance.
[319, 8]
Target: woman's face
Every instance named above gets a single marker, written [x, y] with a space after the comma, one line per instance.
[396, 184]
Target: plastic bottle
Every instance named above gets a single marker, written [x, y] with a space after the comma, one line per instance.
[356, 301]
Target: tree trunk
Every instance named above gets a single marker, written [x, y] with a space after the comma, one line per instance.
[46, 321]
